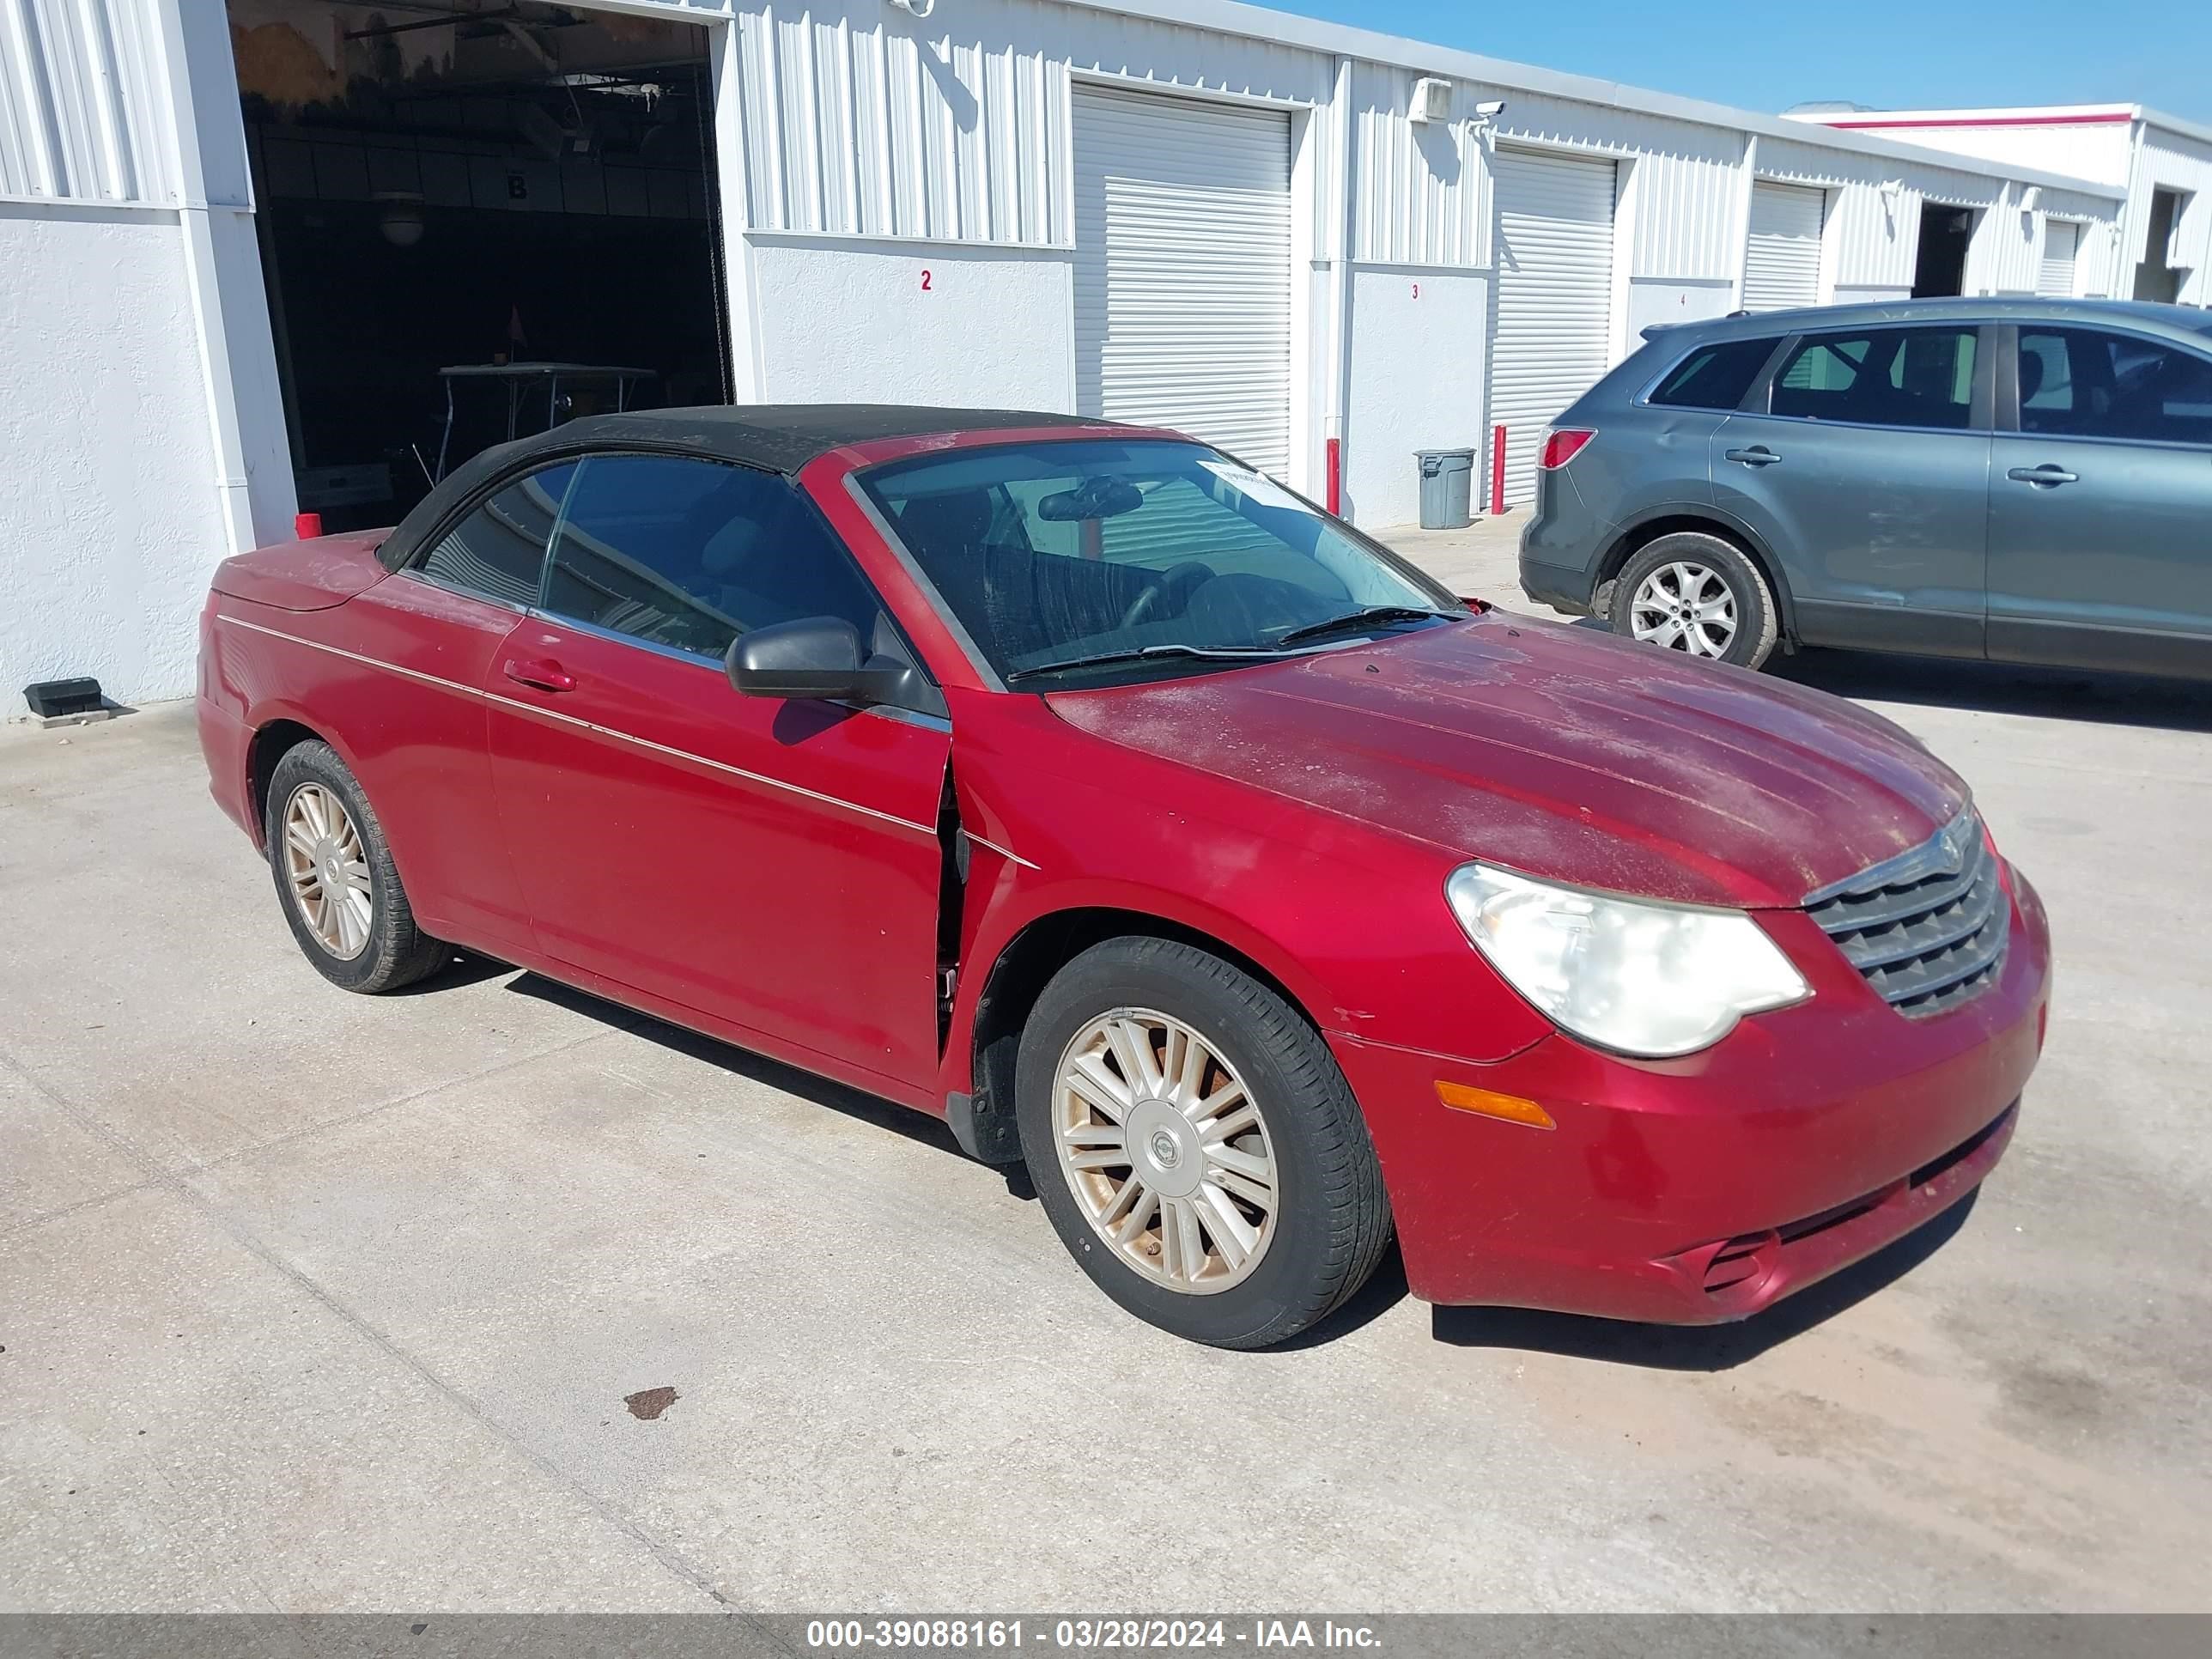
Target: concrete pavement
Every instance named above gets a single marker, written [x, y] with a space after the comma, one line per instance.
[310, 1301]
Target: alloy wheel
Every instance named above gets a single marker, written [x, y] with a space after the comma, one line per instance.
[1685, 606]
[1165, 1150]
[328, 869]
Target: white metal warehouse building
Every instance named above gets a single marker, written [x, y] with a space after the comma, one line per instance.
[1306, 242]
[2159, 248]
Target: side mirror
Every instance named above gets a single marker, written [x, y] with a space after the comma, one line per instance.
[816, 657]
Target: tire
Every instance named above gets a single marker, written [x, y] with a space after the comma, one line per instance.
[386, 949]
[1329, 1222]
[1655, 575]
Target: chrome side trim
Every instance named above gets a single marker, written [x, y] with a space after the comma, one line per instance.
[355, 656]
[616, 636]
[645, 744]
[1003, 852]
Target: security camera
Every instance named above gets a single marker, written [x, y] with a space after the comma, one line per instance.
[1491, 110]
[919, 8]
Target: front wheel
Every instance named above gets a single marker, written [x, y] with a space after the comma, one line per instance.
[1697, 594]
[1195, 1146]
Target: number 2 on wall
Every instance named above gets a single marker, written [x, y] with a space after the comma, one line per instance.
[925, 281]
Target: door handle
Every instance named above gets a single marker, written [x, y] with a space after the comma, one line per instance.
[543, 673]
[1757, 455]
[2047, 475]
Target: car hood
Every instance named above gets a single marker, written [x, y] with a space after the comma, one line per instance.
[1560, 752]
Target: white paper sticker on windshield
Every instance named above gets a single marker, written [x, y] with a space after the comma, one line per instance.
[1254, 487]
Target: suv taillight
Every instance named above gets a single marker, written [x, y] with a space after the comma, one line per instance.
[1562, 445]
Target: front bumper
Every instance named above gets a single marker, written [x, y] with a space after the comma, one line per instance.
[1702, 1189]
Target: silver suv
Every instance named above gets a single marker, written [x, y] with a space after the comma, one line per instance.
[2025, 480]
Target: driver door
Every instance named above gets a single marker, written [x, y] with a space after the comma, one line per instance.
[772, 864]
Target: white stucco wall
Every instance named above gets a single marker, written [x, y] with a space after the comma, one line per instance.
[841, 322]
[1418, 372]
[109, 520]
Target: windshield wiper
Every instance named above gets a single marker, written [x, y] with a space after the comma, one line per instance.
[1210, 652]
[1373, 614]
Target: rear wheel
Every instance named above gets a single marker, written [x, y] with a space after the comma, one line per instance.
[1195, 1146]
[1697, 594]
[335, 877]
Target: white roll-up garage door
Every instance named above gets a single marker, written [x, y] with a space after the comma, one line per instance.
[1183, 269]
[1554, 298]
[1782, 265]
[2055, 276]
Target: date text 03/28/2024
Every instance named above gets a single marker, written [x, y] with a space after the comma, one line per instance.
[1082, 1635]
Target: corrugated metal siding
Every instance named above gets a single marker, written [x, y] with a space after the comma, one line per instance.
[82, 109]
[2000, 259]
[1878, 241]
[956, 130]
[2169, 161]
[1686, 214]
[1420, 191]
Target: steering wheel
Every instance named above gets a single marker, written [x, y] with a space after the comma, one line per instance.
[1185, 577]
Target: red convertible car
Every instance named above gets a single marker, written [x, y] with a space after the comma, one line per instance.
[1080, 786]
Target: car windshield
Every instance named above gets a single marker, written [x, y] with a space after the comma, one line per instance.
[1070, 562]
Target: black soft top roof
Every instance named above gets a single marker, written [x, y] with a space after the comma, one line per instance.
[777, 437]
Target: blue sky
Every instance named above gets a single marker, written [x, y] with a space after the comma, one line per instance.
[1896, 54]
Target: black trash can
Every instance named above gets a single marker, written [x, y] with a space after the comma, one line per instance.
[1446, 488]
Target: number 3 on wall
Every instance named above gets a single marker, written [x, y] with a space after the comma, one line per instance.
[925, 280]
[1417, 290]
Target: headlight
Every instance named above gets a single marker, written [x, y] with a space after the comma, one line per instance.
[1640, 978]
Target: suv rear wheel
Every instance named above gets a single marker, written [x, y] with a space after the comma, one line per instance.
[1697, 594]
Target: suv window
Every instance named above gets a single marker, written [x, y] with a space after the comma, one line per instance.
[2084, 384]
[1714, 376]
[690, 554]
[499, 549]
[1910, 377]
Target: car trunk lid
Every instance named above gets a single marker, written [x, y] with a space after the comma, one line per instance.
[308, 575]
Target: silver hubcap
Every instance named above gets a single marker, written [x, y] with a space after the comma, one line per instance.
[328, 869]
[1684, 607]
[1165, 1152]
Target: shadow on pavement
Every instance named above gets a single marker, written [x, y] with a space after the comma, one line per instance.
[1698, 1348]
[2003, 689]
[918, 1127]
[1659, 1347]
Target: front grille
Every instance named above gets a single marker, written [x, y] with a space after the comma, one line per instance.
[1928, 928]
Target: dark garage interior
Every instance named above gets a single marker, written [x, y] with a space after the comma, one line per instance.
[1945, 234]
[477, 186]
